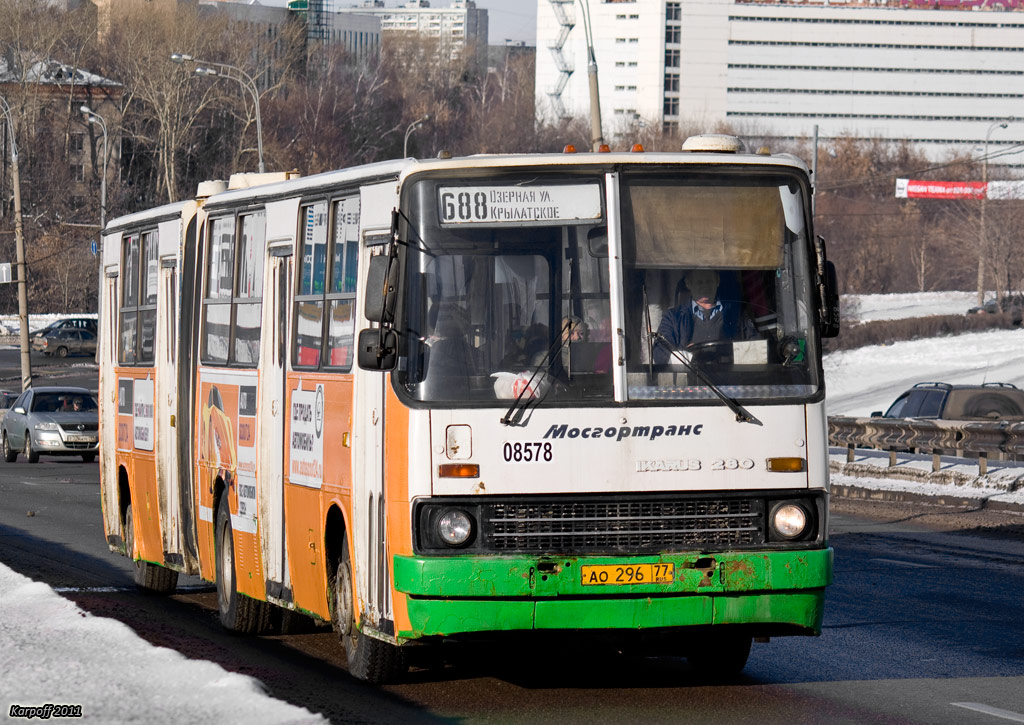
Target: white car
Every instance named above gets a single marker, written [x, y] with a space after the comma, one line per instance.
[51, 421]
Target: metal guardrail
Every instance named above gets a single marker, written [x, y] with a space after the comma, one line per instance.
[999, 440]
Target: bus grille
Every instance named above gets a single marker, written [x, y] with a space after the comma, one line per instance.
[624, 525]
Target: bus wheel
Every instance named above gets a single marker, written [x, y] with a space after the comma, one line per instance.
[720, 656]
[369, 659]
[147, 576]
[238, 612]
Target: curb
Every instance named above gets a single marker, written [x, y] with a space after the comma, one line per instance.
[945, 501]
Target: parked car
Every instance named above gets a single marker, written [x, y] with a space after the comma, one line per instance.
[51, 421]
[68, 341]
[78, 323]
[989, 401]
[7, 398]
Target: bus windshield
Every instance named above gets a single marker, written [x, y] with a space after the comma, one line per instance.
[507, 289]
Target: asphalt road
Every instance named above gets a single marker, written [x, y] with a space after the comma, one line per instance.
[47, 369]
[921, 626]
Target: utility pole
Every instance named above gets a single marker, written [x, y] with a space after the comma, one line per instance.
[983, 242]
[19, 241]
[596, 134]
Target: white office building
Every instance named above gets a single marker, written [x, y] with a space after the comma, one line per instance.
[941, 78]
[459, 28]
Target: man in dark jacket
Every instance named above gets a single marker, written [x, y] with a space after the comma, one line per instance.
[704, 317]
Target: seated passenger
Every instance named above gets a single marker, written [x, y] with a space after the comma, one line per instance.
[702, 317]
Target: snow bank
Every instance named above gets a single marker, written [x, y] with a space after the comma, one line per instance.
[868, 308]
[53, 652]
[9, 323]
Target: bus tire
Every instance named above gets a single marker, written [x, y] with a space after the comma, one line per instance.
[370, 660]
[150, 577]
[720, 656]
[238, 612]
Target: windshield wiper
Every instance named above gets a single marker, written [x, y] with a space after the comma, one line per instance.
[544, 364]
[742, 414]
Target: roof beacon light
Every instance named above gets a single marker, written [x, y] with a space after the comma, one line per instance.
[569, 149]
[638, 148]
[604, 149]
[718, 143]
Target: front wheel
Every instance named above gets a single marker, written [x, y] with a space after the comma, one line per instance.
[238, 612]
[720, 657]
[10, 455]
[147, 576]
[371, 660]
[31, 454]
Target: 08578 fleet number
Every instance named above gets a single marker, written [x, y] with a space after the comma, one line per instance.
[527, 452]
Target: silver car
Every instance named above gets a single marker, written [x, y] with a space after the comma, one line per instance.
[51, 421]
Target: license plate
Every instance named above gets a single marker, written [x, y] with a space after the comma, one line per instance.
[81, 439]
[622, 574]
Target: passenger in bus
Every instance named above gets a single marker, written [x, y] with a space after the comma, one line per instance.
[451, 359]
[702, 316]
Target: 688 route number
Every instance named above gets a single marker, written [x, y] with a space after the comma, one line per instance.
[527, 452]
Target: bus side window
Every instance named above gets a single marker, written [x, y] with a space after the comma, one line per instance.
[138, 298]
[219, 285]
[309, 299]
[341, 295]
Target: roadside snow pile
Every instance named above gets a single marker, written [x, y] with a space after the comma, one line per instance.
[868, 308]
[52, 652]
[9, 323]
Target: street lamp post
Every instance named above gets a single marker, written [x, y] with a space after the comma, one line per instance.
[225, 70]
[93, 117]
[19, 240]
[408, 132]
[983, 246]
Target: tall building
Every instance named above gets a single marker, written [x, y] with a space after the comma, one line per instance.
[358, 35]
[459, 29]
[937, 73]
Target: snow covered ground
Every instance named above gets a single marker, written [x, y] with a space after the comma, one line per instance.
[9, 323]
[53, 652]
[867, 308]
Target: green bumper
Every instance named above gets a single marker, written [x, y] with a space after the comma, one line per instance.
[451, 595]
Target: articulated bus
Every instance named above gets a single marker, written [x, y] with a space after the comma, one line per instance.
[439, 400]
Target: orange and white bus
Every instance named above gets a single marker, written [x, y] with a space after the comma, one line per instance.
[426, 400]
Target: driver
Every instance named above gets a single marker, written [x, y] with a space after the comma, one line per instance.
[703, 317]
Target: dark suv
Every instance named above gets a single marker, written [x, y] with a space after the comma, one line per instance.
[68, 323]
[990, 401]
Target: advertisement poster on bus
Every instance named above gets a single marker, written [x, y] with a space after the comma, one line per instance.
[306, 444]
[142, 413]
[247, 453]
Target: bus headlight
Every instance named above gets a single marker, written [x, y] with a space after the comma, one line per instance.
[454, 527]
[789, 520]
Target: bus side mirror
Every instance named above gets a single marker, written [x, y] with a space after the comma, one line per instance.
[828, 292]
[830, 302]
[378, 349]
[381, 288]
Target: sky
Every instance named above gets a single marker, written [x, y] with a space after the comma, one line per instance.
[506, 19]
